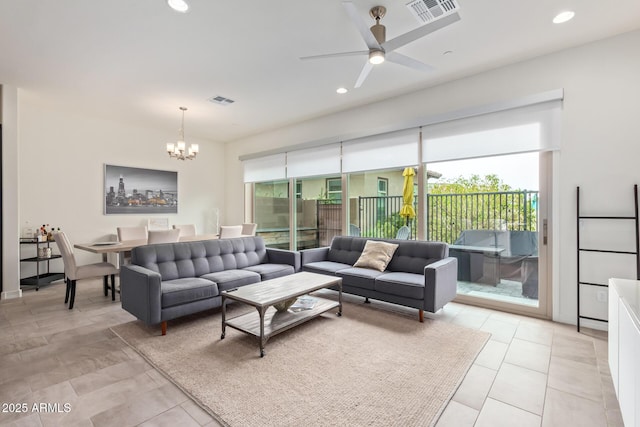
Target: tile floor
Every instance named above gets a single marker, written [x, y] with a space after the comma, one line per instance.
[530, 373]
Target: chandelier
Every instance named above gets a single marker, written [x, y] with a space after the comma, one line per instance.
[178, 150]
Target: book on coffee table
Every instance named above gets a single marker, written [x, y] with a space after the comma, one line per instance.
[303, 303]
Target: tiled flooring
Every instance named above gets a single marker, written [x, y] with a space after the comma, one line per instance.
[531, 372]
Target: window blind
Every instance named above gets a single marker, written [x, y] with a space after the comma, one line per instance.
[267, 168]
[316, 161]
[396, 149]
[526, 129]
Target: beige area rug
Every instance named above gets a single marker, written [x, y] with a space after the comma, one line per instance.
[366, 368]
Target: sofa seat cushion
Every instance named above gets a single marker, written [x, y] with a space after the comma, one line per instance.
[271, 271]
[409, 285]
[182, 291]
[229, 279]
[325, 267]
[359, 277]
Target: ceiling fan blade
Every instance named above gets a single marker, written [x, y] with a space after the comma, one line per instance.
[334, 55]
[401, 59]
[362, 26]
[412, 35]
[363, 74]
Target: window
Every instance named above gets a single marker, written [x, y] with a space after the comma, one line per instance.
[383, 185]
[298, 189]
[334, 189]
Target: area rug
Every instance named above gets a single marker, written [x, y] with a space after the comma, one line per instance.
[367, 368]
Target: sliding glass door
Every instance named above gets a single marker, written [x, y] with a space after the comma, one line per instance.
[491, 212]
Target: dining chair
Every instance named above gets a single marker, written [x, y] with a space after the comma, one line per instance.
[249, 229]
[73, 272]
[230, 231]
[163, 236]
[186, 229]
[130, 233]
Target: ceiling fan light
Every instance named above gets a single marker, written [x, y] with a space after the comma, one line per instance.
[178, 5]
[376, 57]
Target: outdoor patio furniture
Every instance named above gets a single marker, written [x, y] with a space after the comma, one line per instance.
[403, 233]
[479, 255]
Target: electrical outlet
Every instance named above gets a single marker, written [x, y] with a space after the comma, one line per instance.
[601, 296]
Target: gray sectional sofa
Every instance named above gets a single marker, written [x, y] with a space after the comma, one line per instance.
[420, 275]
[166, 281]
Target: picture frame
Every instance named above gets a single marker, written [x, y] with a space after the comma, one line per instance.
[130, 190]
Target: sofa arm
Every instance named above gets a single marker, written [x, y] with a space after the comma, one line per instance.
[141, 293]
[440, 281]
[314, 255]
[281, 256]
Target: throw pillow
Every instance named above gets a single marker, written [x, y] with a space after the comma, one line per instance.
[376, 255]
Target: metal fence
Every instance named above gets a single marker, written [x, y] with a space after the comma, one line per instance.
[380, 217]
[449, 214]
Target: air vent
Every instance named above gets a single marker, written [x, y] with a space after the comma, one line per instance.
[221, 100]
[431, 10]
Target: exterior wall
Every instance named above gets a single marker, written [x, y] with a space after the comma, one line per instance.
[600, 132]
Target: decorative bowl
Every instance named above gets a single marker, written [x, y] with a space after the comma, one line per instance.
[284, 305]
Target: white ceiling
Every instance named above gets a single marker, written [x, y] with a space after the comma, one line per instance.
[138, 60]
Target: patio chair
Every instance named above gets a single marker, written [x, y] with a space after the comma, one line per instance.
[403, 233]
[354, 230]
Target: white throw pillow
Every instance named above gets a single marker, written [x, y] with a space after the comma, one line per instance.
[376, 255]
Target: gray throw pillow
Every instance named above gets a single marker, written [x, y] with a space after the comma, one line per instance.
[376, 255]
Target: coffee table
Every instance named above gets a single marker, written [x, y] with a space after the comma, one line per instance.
[267, 321]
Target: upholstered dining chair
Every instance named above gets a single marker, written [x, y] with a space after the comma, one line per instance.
[186, 229]
[163, 236]
[230, 231]
[131, 233]
[73, 272]
[249, 229]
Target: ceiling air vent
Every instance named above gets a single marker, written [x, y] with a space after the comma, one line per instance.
[431, 10]
[221, 100]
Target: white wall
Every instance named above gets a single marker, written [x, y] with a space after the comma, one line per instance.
[10, 196]
[62, 157]
[600, 135]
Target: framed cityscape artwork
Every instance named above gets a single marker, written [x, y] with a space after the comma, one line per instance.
[139, 191]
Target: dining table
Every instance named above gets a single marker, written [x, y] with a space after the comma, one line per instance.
[105, 248]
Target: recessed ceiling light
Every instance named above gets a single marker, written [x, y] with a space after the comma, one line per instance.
[178, 5]
[342, 90]
[564, 16]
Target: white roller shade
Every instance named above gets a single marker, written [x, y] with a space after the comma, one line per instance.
[316, 161]
[397, 149]
[268, 168]
[519, 130]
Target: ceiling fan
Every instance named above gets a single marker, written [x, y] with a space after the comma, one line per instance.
[437, 14]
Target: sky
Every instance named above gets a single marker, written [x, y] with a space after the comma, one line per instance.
[520, 171]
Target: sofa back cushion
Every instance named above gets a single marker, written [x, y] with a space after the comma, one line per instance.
[193, 259]
[411, 256]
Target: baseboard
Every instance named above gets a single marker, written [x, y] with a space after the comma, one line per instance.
[11, 294]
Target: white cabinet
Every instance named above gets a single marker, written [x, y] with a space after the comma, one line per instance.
[624, 346]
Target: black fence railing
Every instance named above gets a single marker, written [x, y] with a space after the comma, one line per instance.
[449, 214]
[380, 217]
